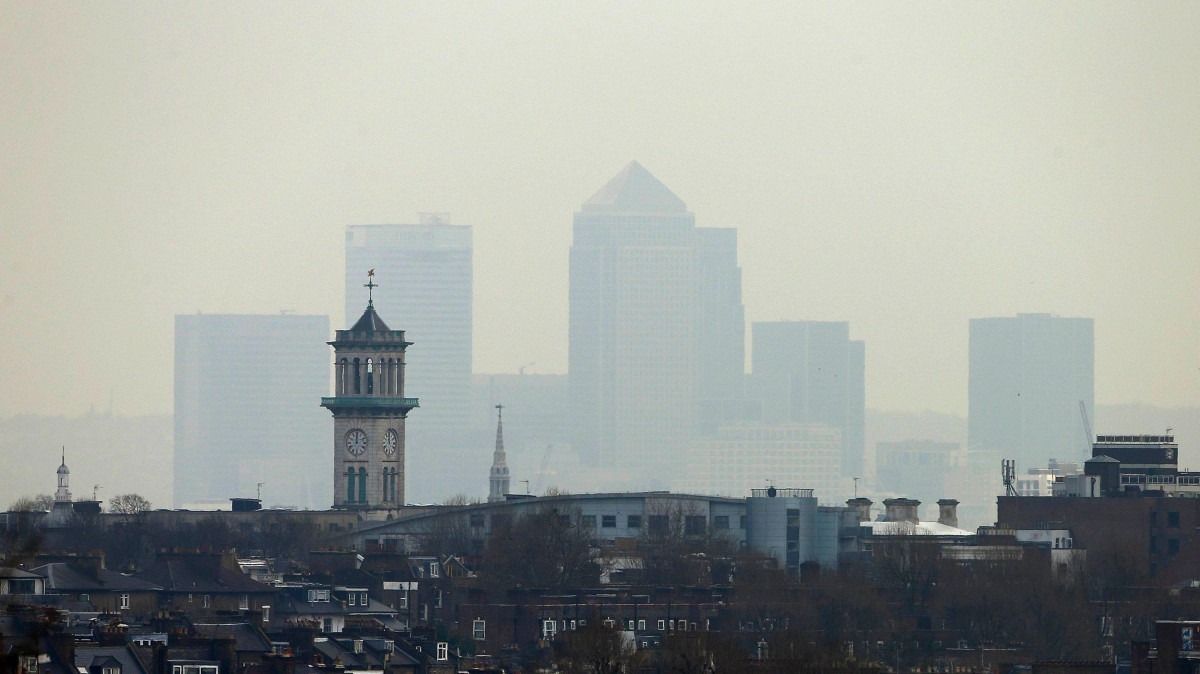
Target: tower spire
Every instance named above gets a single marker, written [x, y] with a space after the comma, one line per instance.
[63, 493]
[498, 477]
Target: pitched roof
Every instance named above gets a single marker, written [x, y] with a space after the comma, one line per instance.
[192, 576]
[370, 322]
[62, 576]
[86, 657]
[635, 190]
[246, 637]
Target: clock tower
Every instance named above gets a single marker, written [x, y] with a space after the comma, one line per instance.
[369, 409]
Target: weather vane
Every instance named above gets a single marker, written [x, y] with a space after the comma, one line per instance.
[371, 285]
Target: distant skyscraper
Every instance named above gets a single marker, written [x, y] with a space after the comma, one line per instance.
[245, 409]
[741, 457]
[811, 372]
[424, 275]
[1028, 375]
[655, 325]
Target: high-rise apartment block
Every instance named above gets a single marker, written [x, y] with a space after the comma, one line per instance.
[656, 325]
[424, 275]
[1028, 376]
[245, 387]
[811, 372]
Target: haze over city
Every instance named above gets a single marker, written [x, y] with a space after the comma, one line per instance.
[901, 167]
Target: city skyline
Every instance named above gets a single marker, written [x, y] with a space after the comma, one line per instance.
[894, 162]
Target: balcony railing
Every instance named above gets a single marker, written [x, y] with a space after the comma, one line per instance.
[369, 401]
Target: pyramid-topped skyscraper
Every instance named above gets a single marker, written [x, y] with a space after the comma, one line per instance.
[656, 328]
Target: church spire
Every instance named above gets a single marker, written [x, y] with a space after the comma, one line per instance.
[498, 478]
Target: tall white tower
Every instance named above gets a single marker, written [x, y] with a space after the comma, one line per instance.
[63, 493]
[369, 409]
[498, 477]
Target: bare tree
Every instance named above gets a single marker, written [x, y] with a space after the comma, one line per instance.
[448, 532]
[909, 565]
[595, 649]
[27, 504]
[541, 548]
[129, 504]
[699, 653]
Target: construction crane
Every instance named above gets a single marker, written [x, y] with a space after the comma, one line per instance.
[1087, 430]
[541, 474]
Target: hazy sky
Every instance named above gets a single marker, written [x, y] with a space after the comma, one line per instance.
[902, 166]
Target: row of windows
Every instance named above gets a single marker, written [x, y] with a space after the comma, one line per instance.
[693, 524]
[356, 485]
[551, 627]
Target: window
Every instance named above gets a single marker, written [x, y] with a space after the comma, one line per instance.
[403, 602]
[124, 601]
[479, 629]
[634, 521]
[207, 600]
[362, 485]
[588, 521]
[477, 520]
[443, 651]
[327, 625]
[318, 595]
[244, 603]
[549, 629]
[85, 597]
[434, 570]
[641, 625]
[362, 598]
[742, 522]
[437, 598]
[353, 599]
[1173, 519]
[721, 522]
[110, 670]
[694, 525]
[194, 669]
[629, 624]
[662, 624]
[608, 521]
[266, 611]
[1172, 546]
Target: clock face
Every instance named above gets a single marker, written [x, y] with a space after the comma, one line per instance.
[389, 442]
[356, 442]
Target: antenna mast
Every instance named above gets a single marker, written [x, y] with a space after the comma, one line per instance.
[1009, 469]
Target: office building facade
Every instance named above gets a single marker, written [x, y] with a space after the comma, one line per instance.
[811, 372]
[424, 272]
[1028, 375]
[644, 282]
[246, 414]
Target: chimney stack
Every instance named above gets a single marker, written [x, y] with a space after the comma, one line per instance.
[948, 512]
[901, 510]
[861, 504]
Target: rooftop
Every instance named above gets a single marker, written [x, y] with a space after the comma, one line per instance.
[634, 190]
